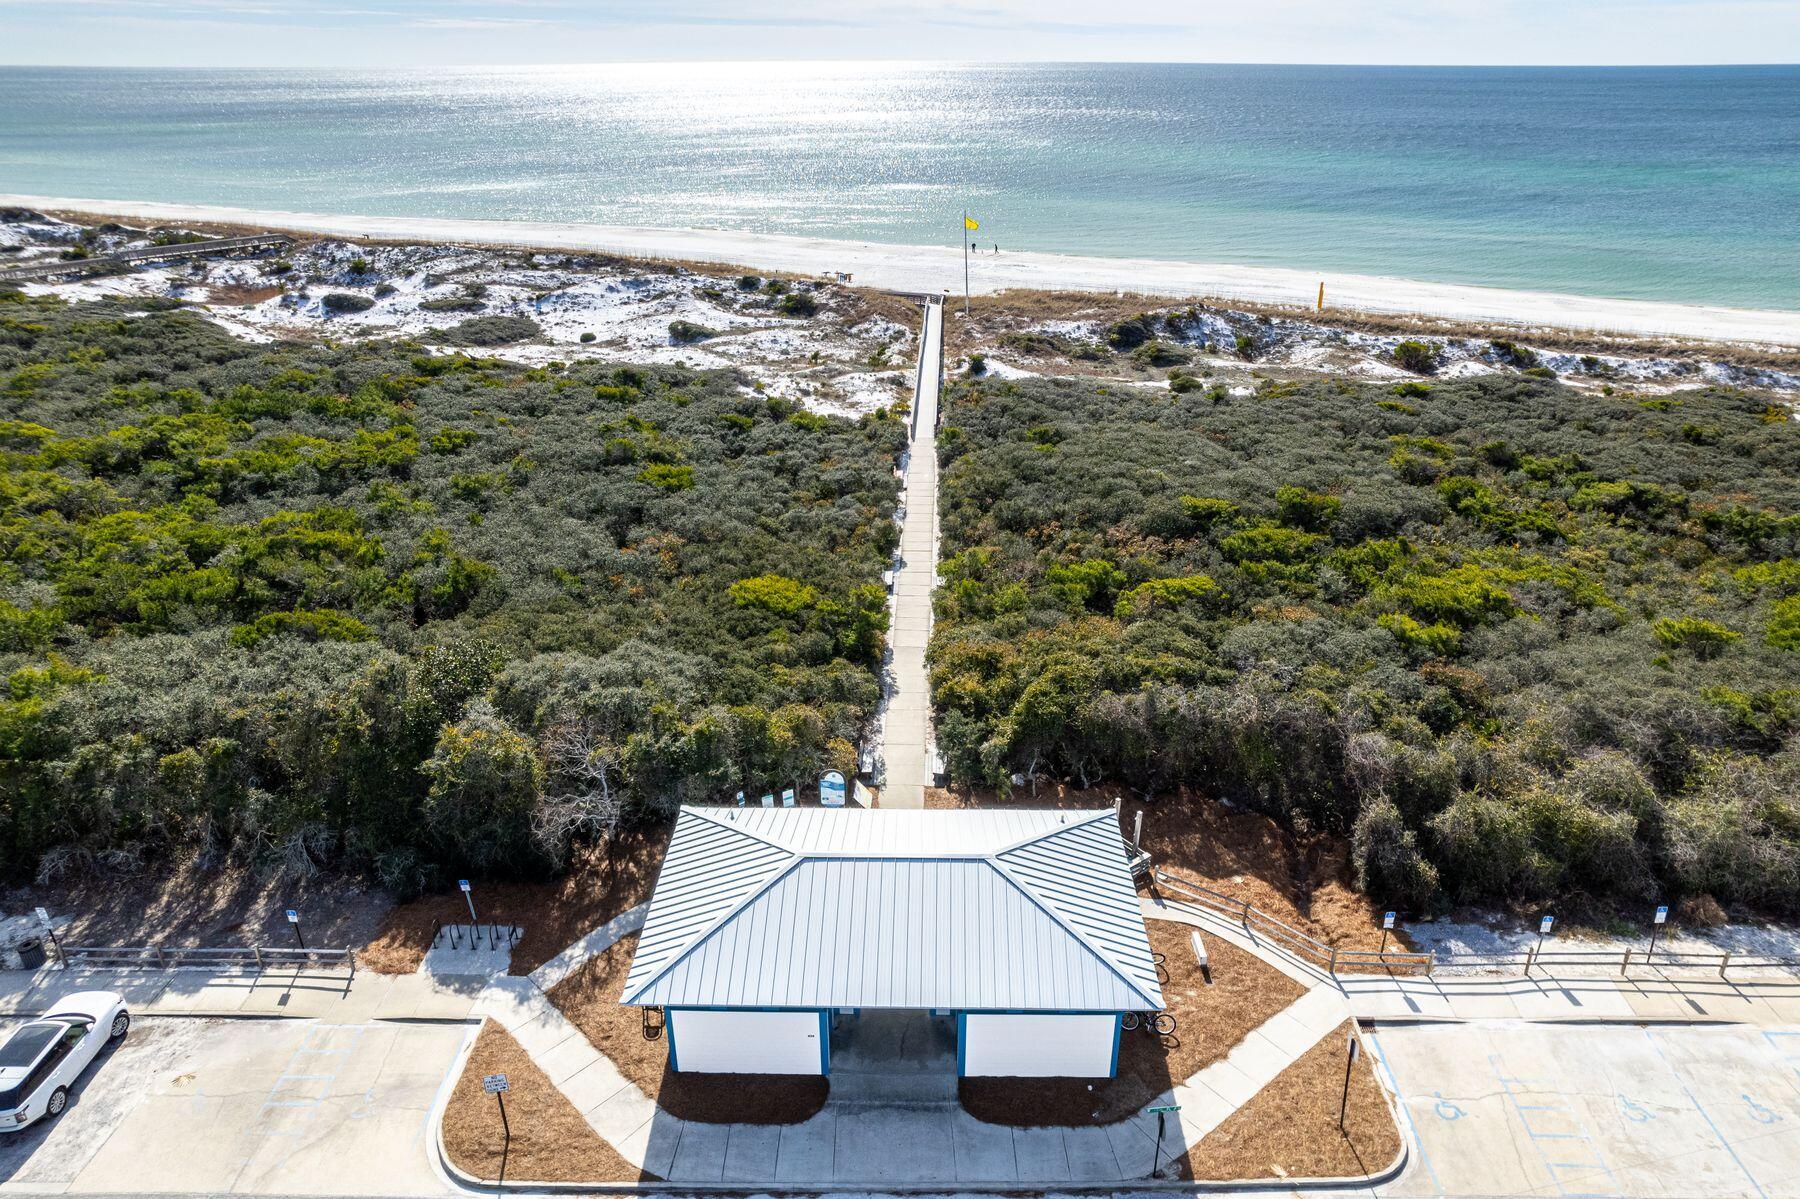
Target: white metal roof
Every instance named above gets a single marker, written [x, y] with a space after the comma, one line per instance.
[987, 909]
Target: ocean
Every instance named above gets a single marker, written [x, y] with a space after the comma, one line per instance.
[1679, 184]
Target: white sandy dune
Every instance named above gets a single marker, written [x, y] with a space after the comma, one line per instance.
[939, 268]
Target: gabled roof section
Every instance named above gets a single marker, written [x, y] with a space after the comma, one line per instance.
[992, 909]
[710, 868]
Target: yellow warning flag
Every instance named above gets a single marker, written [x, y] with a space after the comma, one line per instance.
[970, 222]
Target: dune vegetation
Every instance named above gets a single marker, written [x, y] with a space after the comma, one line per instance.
[1513, 640]
[381, 610]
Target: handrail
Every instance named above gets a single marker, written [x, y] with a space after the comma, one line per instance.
[1310, 951]
[187, 249]
[179, 957]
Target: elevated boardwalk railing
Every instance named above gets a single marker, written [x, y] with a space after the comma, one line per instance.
[1334, 961]
[251, 958]
[173, 252]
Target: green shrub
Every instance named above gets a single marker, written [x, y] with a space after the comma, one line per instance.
[1132, 332]
[587, 337]
[490, 331]
[316, 625]
[1305, 509]
[687, 332]
[666, 476]
[797, 303]
[774, 593]
[1416, 356]
[1155, 354]
[1699, 636]
[337, 303]
[1163, 594]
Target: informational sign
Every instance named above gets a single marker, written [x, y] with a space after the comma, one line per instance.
[831, 789]
[493, 1084]
[787, 798]
[463, 885]
[740, 799]
[1662, 914]
[43, 915]
[768, 801]
[1544, 925]
[293, 916]
[1387, 920]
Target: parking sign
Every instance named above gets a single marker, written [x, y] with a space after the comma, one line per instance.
[493, 1084]
[1662, 914]
[1387, 920]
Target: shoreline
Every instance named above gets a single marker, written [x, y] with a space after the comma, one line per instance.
[939, 268]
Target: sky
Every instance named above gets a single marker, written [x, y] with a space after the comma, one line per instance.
[375, 33]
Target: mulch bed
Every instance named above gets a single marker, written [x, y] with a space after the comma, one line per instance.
[1306, 884]
[551, 1141]
[1289, 1129]
[590, 999]
[601, 883]
[1210, 1020]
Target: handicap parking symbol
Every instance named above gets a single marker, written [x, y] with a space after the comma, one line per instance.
[1445, 1109]
[1759, 1113]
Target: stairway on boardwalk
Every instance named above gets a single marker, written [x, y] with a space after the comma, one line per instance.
[905, 714]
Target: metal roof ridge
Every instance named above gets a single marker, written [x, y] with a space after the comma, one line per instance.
[1034, 838]
[1049, 909]
[734, 826]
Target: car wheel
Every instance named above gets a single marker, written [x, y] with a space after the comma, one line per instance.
[120, 1023]
[59, 1099]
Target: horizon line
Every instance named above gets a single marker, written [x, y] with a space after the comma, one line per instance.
[913, 62]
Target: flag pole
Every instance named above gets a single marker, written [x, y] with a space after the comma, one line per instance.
[965, 264]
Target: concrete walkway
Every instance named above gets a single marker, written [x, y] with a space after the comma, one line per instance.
[861, 1139]
[336, 997]
[905, 712]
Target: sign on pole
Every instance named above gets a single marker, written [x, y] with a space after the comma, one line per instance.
[293, 917]
[787, 798]
[831, 789]
[43, 915]
[768, 801]
[740, 799]
[463, 885]
[1662, 914]
[493, 1084]
[1544, 925]
[1387, 920]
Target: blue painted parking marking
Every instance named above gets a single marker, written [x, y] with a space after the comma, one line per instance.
[1589, 1167]
[1705, 1115]
[1374, 1039]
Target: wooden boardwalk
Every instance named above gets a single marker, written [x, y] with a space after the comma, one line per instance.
[61, 267]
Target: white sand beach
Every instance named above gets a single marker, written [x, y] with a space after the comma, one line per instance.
[940, 268]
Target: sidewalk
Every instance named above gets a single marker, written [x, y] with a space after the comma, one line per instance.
[863, 1144]
[1643, 996]
[337, 997]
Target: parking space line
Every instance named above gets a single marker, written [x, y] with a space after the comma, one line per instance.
[1374, 1038]
[1704, 1114]
[1566, 1111]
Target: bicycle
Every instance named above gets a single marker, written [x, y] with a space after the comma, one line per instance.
[1157, 1024]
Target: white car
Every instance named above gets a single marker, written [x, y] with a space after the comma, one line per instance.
[41, 1060]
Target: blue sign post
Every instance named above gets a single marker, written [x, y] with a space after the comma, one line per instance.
[293, 918]
[1662, 918]
[463, 883]
[1387, 926]
[831, 789]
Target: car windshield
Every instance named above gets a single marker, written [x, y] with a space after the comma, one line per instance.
[29, 1042]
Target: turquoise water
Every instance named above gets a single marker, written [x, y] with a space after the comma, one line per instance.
[1677, 184]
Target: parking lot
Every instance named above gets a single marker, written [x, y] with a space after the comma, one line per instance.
[1575, 1110]
[246, 1107]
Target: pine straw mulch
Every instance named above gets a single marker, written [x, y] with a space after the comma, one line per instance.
[551, 1141]
[1289, 1129]
[1307, 884]
[590, 999]
[601, 882]
[1210, 1020]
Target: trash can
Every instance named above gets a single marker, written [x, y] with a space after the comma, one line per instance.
[31, 953]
